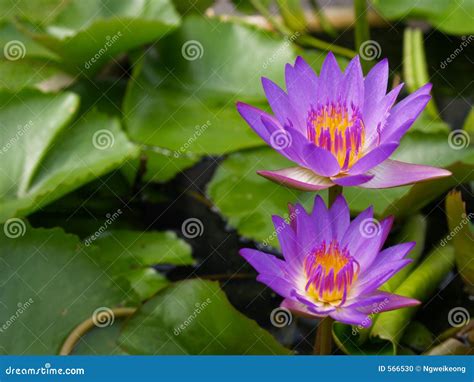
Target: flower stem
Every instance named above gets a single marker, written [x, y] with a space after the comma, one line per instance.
[333, 192]
[323, 342]
[362, 29]
[88, 325]
[305, 40]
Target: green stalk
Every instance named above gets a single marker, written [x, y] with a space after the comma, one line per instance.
[362, 30]
[323, 343]
[305, 40]
[323, 20]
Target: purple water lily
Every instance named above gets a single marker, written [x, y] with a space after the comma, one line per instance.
[332, 266]
[340, 128]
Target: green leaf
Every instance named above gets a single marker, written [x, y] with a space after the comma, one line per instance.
[42, 159]
[132, 254]
[185, 7]
[49, 285]
[469, 122]
[26, 64]
[461, 236]
[195, 317]
[193, 110]
[38, 11]
[417, 336]
[420, 285]
[88, 33]
[161, 165]
[447, 15]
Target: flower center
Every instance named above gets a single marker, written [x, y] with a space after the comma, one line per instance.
[330, 272]
[339, 130]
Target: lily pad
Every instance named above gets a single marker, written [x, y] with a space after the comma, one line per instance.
[49, 286]
[88, 33]
[184, 99]
[42, 159]
[195, 317]
[132, 254]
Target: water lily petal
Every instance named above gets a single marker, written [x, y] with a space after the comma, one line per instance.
[329, 79]
[302, 86]
[253, 117]
[281, 286]
[264, 263]
[375, 85]
[298, 177]
[376, 118]
[287, 141]
[375, 276]
[352, 85]
[288, 243]
[392, 173]
[320, 160]
[323, 226]
[351, 180]
[379, 301]
[396, 252]
[373, 158]
[339, 216]
[351, 316]
[405, 113]
[372, 237]
[281, 105]
[299, 308]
